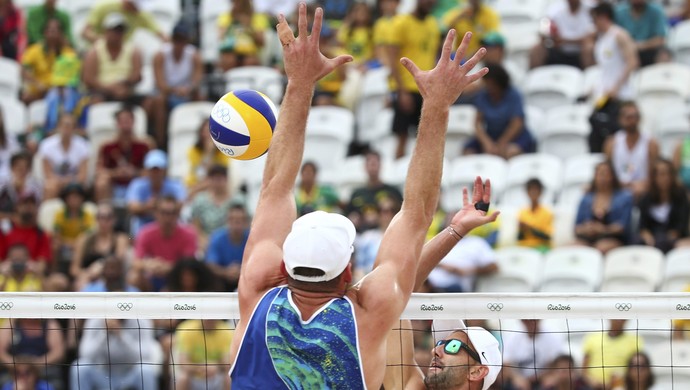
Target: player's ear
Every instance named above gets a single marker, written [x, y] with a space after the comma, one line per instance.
[347, 274]
[478, 372]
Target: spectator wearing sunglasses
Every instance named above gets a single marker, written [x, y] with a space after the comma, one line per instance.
[467, 358]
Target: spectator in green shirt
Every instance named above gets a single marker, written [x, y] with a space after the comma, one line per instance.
[38, 17]
[311, 196]
[133, 13]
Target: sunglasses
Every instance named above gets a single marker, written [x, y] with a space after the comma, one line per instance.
[453, 347]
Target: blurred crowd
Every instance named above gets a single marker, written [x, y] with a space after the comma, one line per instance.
[83, 212]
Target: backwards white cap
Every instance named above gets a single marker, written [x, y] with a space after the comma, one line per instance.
[482, 340]
[319, 240]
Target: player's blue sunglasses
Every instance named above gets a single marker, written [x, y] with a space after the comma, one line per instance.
[453, 347]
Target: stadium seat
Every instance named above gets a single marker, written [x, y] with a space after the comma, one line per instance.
[578, 173]
[664, 80]
[553, 85]
[464, 169]
[349, 176]
[632, 269]
[260, 78]
[38, 111]
[14, 115]
[461, 127]
[676, 276]
[187, 117]
[508, 226]
[672, 125]
[147, 85]
[329, 133]
[148, 44]
[406, 6]
[379, 129]
[10, 78]
[519, 270]
[572, 269]
[671, 364]
[654, 332]
[79, 12]
[566, 131]
[373, 98]
[209, 10]
[520, 11]
[534, 119]
[26, 4]
[563, 225]
[545, 167]
[166, 13]
[680, 42]
[178, 147]
[251, 174]
[592, 79]
[394, 171]
[520, 38]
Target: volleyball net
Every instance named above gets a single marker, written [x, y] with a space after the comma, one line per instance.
[181, 341]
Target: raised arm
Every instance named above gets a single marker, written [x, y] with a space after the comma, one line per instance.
[276, 210]
[392, 279]
[469, 217]
[402, 371]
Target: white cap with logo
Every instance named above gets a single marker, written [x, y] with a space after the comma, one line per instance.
[319, 240]
[482, 340]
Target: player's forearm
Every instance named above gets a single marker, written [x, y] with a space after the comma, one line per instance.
[424, 172]
[287, 146]
[432, 253]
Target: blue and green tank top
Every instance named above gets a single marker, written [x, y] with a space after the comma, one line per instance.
[281, 351]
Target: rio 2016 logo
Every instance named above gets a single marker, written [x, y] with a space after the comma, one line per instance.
[431, 307]
[184, 307]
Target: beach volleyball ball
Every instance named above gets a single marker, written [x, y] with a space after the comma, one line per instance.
[242, 123]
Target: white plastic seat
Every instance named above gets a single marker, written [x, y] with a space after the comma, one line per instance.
[508, 227]
[178, 147]
[520, 39]
[578, 173]
[461, 127]
[165, 12]
[664, 80]
[654, 332]
[564, 217]
[553, 85]
[572, 269]
[10, 78]
[519, 270]
[671, 364]
[566, 131]
[535, 119]
[592, 79]
[350, 175]
[464, 169]
[147, 85]
[46, 213]
[380, 128]
[632, 269]
[37, 112]
[260, 78]
[329, 133]
[79, 12]
[518, 11]
[676, 277]
[680, 42]
[545, 167]
[148, 44]
[187, 117]
[373, 97]
[101, 125]
[394, 172]
[672, 126]
[14, 115]
[209, 10]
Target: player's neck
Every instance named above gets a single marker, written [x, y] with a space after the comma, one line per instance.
[309, 302]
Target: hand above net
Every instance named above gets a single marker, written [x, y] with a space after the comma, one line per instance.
[470, 215]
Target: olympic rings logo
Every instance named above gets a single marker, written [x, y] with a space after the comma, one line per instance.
[223, 113]
[494, 306]
[623, 306]
[125, 306]
[6, 306]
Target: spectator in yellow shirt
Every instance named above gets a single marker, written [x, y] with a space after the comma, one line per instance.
[536, 220]
[202, 156]
[607, 354]
[242, 35]
[382, 29]
[135, 17]
[18, 273]
[202, 354]
[38, 61]
[70, 222]
[476, 17]
[355, 35]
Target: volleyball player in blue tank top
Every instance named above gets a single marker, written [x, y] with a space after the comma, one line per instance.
[302, 326]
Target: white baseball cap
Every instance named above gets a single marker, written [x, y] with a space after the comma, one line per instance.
[113, 20]
[319, 240]
[482, 340]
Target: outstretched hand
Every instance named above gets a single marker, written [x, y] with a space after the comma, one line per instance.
[303, 61]
[444, 84]
[470, 217]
